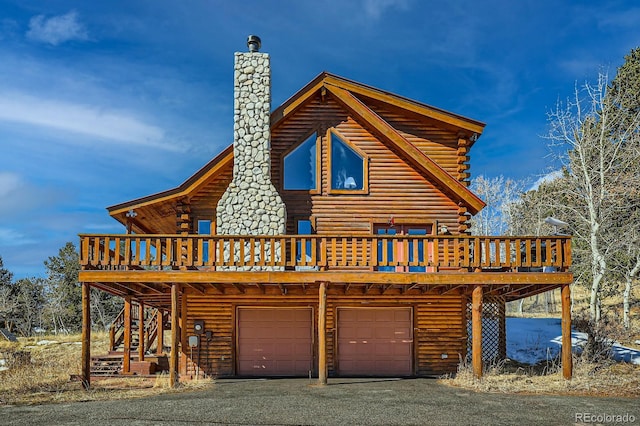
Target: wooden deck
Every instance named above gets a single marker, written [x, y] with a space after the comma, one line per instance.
[145, 266]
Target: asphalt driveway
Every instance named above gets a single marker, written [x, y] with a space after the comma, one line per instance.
[342, 402]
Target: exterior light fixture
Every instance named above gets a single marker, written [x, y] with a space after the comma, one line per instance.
[130, 215]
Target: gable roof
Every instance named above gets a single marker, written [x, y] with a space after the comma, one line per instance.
[325, 79]
[352, 96]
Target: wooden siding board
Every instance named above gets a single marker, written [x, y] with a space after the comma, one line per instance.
[439, 325]
[387, 172]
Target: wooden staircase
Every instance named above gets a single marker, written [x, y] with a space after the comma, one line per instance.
[111, 364]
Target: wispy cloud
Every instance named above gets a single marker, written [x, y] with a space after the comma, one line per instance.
[11, 237]
[376, 8]
[57, 29]
[9, 182]
[88, 120]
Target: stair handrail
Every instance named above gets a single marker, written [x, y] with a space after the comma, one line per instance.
[116, 330]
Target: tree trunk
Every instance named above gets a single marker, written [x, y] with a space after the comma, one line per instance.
[625, 302]
[627, 293]
[598, 269]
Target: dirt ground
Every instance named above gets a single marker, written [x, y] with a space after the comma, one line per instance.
[342, 402]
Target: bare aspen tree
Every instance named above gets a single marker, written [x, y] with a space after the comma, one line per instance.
[499, 194]
[594, 137]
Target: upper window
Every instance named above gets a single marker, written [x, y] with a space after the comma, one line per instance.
[348, 166]
[300, 166]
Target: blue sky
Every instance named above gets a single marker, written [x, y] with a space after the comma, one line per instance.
[103, 102]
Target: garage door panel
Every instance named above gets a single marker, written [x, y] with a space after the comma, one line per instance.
[375, 341]
[274, 341]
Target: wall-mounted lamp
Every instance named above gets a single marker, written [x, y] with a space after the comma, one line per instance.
[444, 230]
[392, 221]
[130, 215]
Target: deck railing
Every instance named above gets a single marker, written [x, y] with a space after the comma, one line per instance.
[309, 252]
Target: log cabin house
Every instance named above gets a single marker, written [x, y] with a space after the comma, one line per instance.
[331, 239]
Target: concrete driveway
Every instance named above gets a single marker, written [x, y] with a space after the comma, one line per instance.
[342, 402]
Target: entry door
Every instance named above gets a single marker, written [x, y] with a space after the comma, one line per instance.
[275, 341]
[375, 341]
[395, 252]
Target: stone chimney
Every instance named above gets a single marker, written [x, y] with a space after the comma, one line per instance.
[251, 205]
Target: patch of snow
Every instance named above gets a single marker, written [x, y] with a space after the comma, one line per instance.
[47, 342]
[532, 340]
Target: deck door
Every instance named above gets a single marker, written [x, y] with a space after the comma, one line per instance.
[274, 341]
[417, 251]
[375, 341]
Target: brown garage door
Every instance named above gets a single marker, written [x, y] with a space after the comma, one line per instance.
[375, 341]
[274, 341]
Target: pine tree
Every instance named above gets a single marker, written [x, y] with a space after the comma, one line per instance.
[64, 291]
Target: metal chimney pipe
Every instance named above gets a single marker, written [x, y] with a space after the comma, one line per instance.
[254, 43]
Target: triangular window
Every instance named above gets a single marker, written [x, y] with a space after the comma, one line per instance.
[300, 166]
[348, 166]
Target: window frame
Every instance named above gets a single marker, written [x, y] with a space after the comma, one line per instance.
[295, 146]
[365, 165]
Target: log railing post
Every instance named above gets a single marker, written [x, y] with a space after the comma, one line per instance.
[126, 360]
[476, 332]
[567, 360]
[173, 362]
[86, 335]
[322, 335]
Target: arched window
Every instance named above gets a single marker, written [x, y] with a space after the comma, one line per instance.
[300, 166]
[348, 166]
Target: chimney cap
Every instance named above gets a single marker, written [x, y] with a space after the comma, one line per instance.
[254, 43]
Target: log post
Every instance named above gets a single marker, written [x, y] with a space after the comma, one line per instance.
[141, 331]
[160, 332]
[126, 360]
[86, 336]
[173, 362]
[322, 335]
[567, 359]
[476, 331]
[184, 339]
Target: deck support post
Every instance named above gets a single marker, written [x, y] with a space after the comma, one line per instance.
[322, 334]
[86, 336]
[141, 331]
[160, 333]
[567, 359]
[175, 340]
[476, 331]
[126, 360]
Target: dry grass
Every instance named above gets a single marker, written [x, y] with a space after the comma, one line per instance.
[614, 379]
[47, 377]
